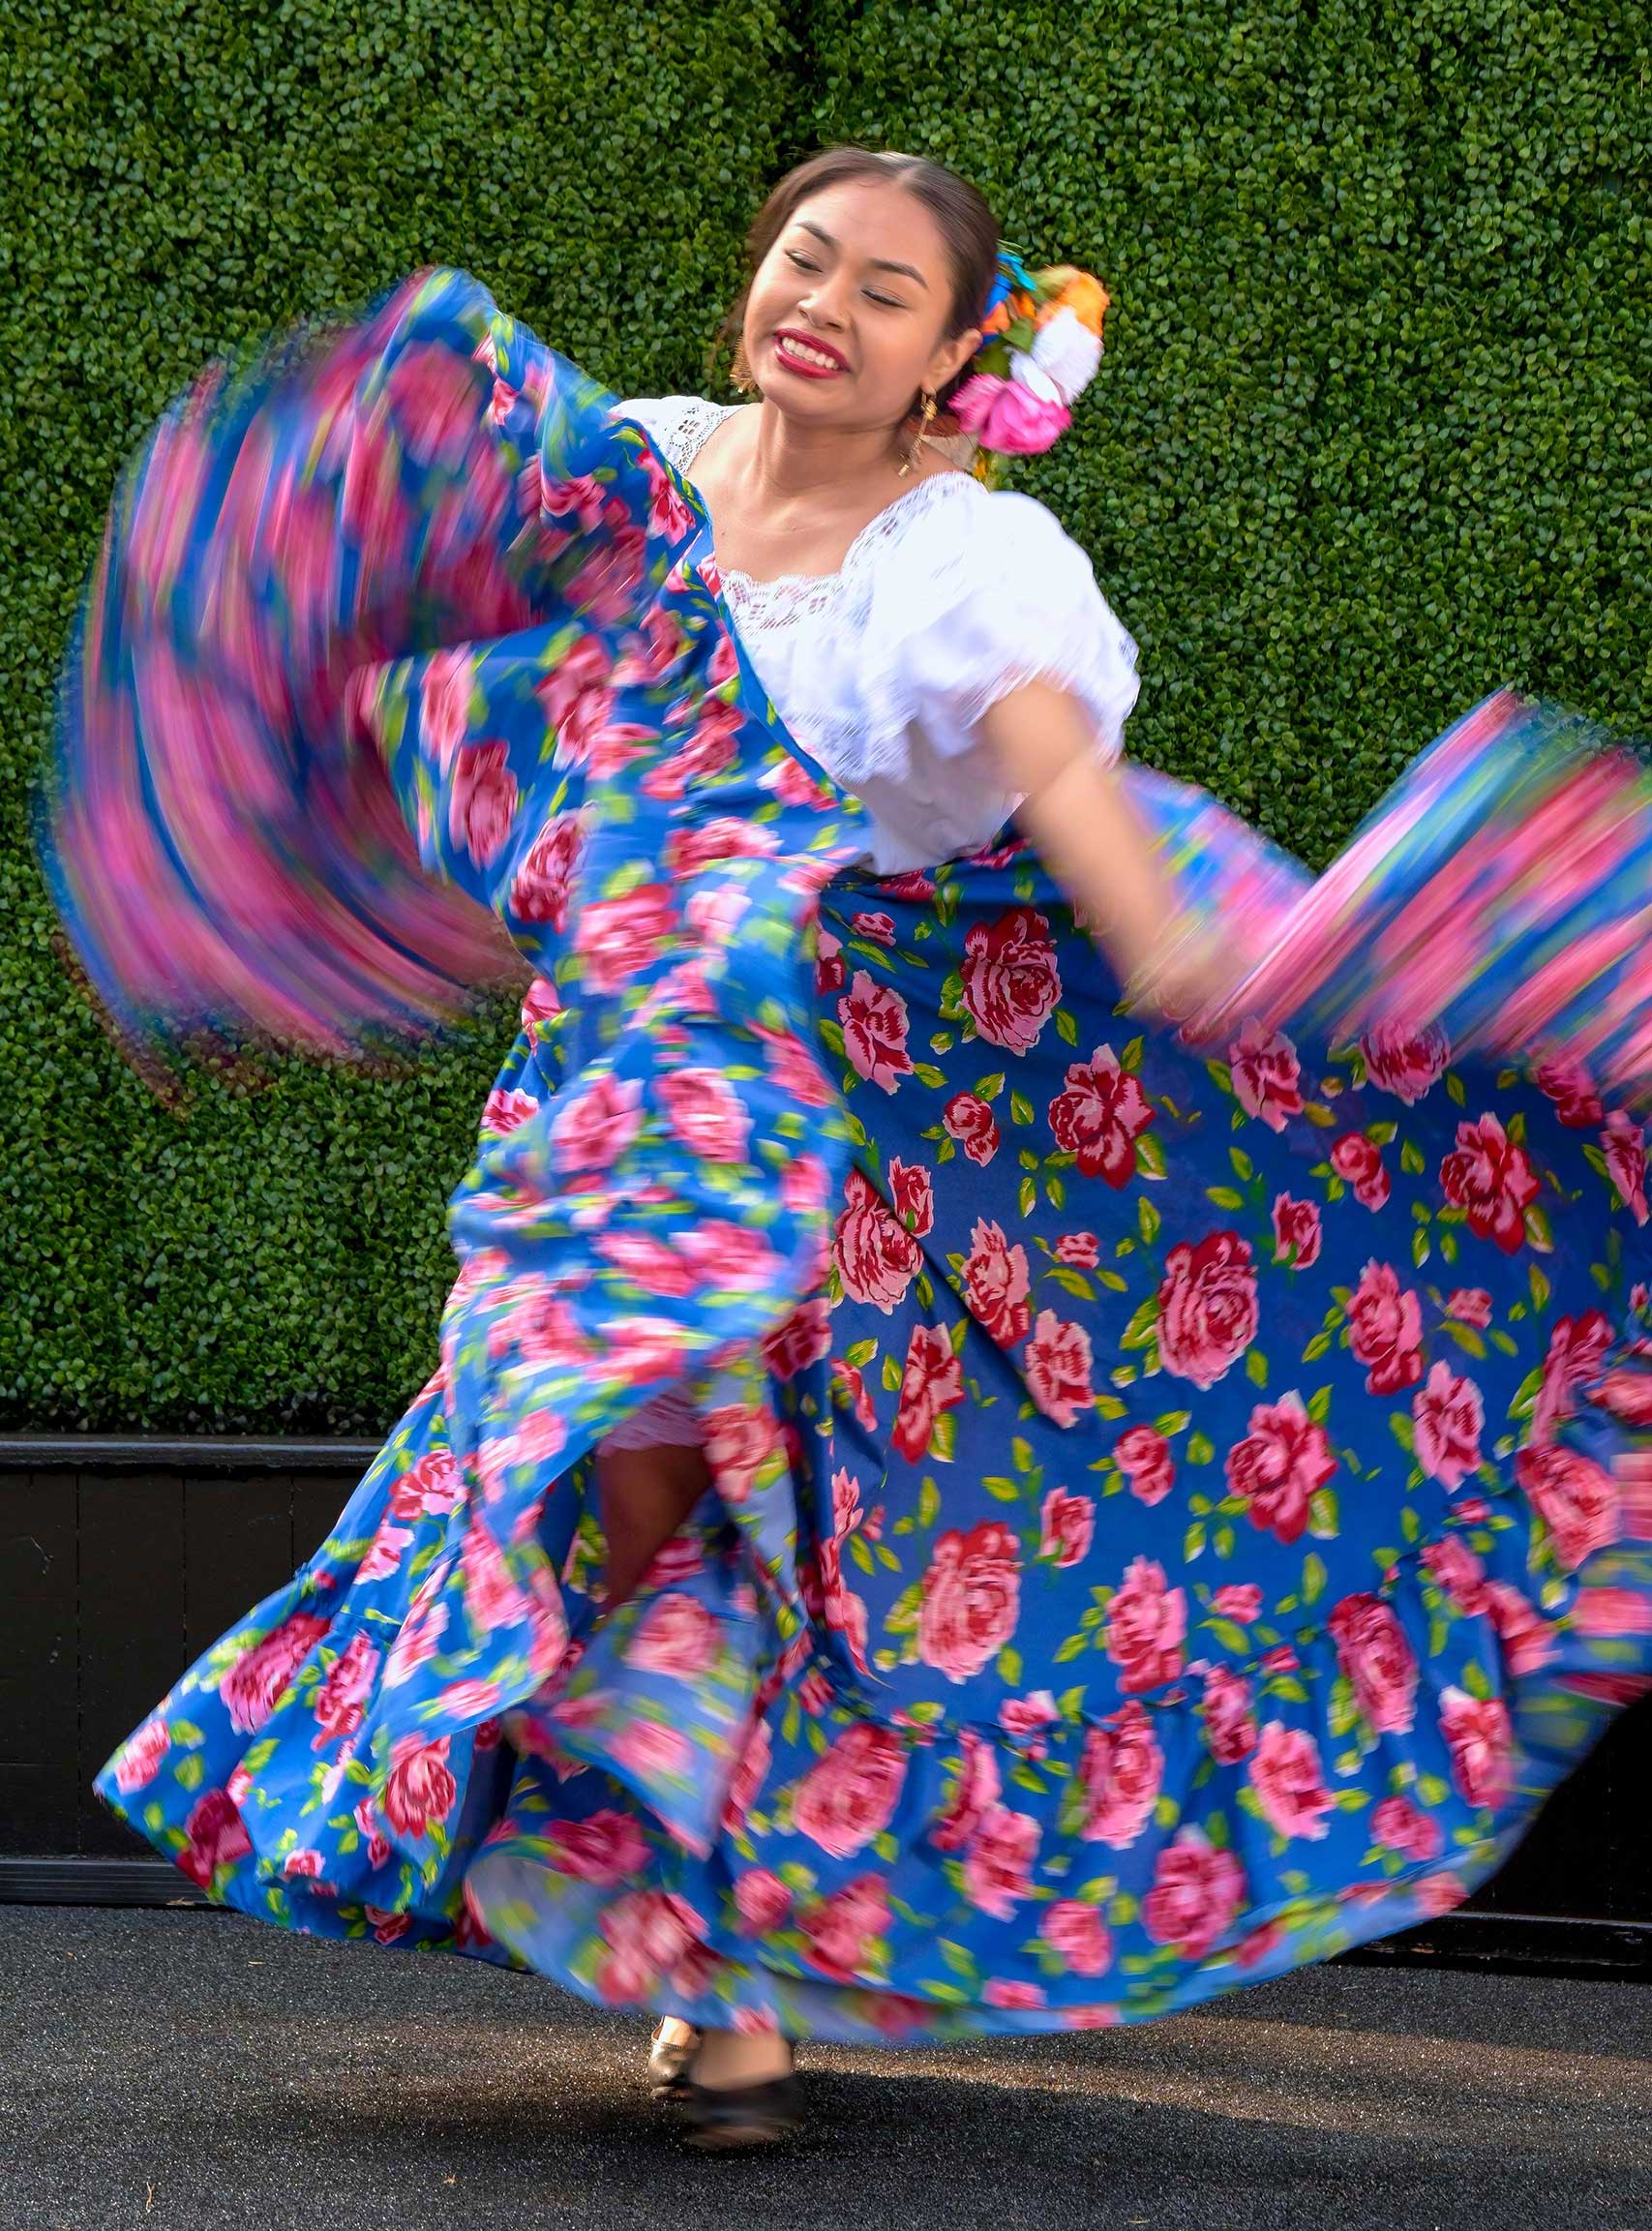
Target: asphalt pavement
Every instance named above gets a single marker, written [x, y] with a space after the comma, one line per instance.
[191, 2070]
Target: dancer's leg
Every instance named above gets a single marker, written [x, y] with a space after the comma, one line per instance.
[644, 1495]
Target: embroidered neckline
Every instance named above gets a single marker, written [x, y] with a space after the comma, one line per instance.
[786, 597]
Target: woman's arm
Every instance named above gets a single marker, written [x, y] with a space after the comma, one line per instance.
[1078, 813]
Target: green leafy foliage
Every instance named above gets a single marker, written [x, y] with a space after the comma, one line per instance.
[1368, 441]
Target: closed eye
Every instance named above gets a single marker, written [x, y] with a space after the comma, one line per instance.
[889, 301]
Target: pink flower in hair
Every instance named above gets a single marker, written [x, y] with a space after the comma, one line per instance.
[1008, 417]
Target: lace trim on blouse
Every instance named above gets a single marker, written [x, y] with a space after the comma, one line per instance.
[862, 732]
[760, 606]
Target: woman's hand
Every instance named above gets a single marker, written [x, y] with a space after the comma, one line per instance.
[1078, 814]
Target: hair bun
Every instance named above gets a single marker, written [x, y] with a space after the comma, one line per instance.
[1042, 345]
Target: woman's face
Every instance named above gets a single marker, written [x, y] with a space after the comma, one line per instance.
[848, 312]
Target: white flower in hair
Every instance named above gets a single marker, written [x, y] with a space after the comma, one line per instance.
[1066, 351]
[1026, 372]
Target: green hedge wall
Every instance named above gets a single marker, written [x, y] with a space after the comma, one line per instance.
[1369, 438]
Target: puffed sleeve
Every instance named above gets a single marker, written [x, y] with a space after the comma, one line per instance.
[1014, 601]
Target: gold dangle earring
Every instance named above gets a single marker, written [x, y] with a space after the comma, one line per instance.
[913, 454]
[740, 373]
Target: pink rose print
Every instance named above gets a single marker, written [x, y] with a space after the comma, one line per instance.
[648, 1933]
[1011, 983]
[1066, 1523]
[1385, 1330]
[649, 1749]
[540, 890]
[973, 1794]
[1146, 1625]
[877, 928]
[844, 1930]
[689, 851]
[1082, 1249]
[1078, 1933]
[1197, 1891]
[677, 1637]
[255, 1683]
[592, 1130]
[1207, 1307]
[140, 1759]
[1279, 1467]
[739, 1442]
[217, 1837]
[854, 1384]
[1121, 1775]
[1400, 1826]
[608, 1847]
[1576, 1501]
[481, 801]
[1491, 1179]
[492, 1597]
[338, 1704]
[749, 1775]
[1297, 1224]
[1577, 1352]
[932, 1383]
[793, 1067]
[911, 1194]
[1360, 1164]
[505, 1112]
[1239, 1600]
[1571, 1088]
[1099, 1117]
[849, 1797]
[877, 1257]
[1144, 1456]
[997, 1282]
[1448, 1415]
[1289, 1781]
[1230, 1725]
[801, 1341]
[1470, 1306]
[420, 1635]
[420, 1788]
[1404, 1062]
[542, 1004]
[1373, 1652]
[761, 1901]
[1624, 1148]
[1610, 1611]
[1267, 1076]
[706, 1114]
[621, 937]
[1528, 1640]
[1057, 1361]
[831, 974]
[710, 750]
[970, 1121]
[1027, 1717]
[1482, 1745]
[997, 1864]
[875, 1026]
[971, 1601]
[445, 704]
[1457, 1571]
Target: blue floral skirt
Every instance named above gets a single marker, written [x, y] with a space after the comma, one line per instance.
[1179, 1507]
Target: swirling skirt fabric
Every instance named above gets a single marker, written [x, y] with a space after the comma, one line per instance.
[1178, 1508]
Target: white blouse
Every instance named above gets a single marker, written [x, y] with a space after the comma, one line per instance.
[952, 597]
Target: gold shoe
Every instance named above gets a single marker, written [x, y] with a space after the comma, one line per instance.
[669, 2063]
[743, 2115]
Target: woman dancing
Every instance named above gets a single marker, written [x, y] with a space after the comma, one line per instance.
[943, 1507]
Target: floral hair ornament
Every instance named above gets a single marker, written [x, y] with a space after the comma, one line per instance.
[1041, 348]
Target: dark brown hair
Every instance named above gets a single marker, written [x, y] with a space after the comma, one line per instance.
[963, 213]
